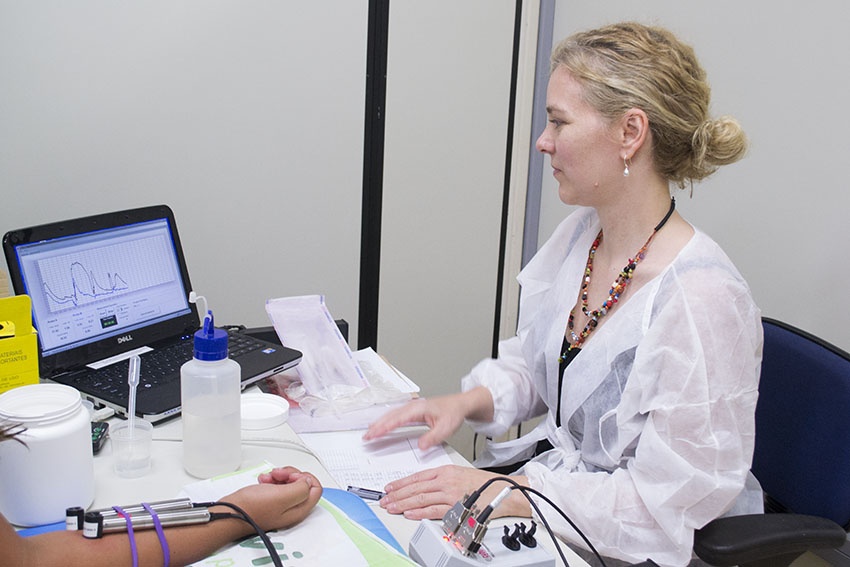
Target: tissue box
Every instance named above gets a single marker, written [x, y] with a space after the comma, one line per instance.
[18, 347]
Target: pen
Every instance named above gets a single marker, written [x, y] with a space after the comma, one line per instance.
[366, 494]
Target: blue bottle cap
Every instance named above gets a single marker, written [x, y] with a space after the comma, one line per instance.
[210, 343]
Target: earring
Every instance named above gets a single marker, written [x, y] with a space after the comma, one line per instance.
[626, 167]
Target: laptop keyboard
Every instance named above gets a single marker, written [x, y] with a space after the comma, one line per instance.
[240, 344]
[158, 367]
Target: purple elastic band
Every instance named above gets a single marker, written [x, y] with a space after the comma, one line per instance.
[130, 534]
[166, 554]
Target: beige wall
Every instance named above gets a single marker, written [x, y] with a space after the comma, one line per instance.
[245, 117]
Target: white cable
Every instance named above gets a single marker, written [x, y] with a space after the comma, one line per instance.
[501, 496]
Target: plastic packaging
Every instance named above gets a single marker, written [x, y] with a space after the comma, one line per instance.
[52, 468]
[210, 388]
[304, 323]
[332, 382]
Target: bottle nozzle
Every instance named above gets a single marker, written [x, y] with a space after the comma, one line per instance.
[209, 324]
[195, 298]
[210, 343]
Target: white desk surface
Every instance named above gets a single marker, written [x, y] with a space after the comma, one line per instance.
[167, 477]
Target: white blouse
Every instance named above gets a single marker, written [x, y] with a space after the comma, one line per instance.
[657, 410]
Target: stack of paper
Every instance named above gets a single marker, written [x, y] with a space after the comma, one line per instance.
[374, 464]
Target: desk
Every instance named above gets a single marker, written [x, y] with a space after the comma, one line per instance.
[167, 477]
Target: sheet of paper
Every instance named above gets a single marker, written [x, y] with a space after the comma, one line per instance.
[372, 465]
[302, 422]
[212, 489]
[299, 546]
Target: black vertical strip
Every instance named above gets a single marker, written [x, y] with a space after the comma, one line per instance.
[373, 172]
[506, 193]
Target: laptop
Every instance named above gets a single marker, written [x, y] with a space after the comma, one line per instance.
[112, 285]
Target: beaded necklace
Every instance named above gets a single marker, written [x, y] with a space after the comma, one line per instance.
[617, 288]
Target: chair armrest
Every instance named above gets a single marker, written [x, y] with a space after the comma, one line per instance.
[740, 539]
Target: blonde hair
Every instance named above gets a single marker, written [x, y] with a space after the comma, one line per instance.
[630, 65]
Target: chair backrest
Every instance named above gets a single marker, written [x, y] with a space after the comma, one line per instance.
[802, 449]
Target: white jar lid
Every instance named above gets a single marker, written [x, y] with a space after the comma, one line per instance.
[38, 403]
[263, 411]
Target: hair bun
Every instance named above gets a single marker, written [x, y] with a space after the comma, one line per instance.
[717, 142]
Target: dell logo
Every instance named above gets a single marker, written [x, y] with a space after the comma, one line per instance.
[125, 339]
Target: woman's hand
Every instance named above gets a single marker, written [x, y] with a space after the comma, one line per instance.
[282, 498]
[443, 415]
[430, 493]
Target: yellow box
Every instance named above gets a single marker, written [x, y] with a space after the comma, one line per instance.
[18, 347]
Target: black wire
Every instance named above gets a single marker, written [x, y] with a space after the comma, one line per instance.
[525, 490]
[243, 515]
[533, 505]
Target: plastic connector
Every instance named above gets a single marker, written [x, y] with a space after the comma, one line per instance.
[430, 547]
[468, 538]
[527, 537]
[472, 531]
[457, 516]
[509, 540]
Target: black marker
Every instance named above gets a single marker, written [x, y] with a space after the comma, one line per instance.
[366, 494]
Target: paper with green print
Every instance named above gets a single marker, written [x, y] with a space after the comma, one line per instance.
[326, 537]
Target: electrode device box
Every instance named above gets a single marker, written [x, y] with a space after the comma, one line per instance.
[431, 547]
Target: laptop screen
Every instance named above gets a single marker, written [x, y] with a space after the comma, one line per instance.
[86, 287]
[102, 285]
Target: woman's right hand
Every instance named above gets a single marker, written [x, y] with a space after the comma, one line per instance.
[443, 415]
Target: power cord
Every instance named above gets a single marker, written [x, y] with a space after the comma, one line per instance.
[262, 441]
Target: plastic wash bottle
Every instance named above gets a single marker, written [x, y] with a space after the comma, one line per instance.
[210, 389]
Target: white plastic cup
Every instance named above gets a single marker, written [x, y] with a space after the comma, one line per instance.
[131, 449]
[52, 468]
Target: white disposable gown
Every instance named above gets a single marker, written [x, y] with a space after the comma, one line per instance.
[657, 409]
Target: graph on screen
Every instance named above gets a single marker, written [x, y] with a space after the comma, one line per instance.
[88, 276]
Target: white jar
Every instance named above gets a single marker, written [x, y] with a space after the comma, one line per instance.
[53, 468]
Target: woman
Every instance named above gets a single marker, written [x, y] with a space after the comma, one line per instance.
[648, 385]
[282, 498]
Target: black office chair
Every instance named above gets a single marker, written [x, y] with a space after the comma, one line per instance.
[802, 456]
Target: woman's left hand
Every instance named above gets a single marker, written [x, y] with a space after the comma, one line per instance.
[429, 494]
